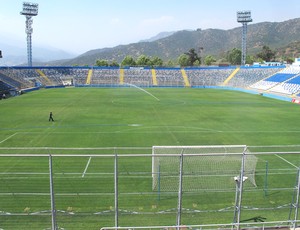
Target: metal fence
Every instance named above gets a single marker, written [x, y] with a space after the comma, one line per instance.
[111, 188]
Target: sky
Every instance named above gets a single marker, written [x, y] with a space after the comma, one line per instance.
[77, 26]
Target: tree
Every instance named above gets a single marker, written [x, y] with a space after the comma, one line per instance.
[114, 63]
[143, 60]
[259, 60]
[128, 61]
[171, 63]
[196, 63]
[289, 60]
[208, 60]
[156, 61]
[234, 56]
[250, 59]
[266, 54]
[101, 62]
[192, 57]
[183, 60]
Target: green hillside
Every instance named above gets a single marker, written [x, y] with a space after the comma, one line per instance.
[214, 42]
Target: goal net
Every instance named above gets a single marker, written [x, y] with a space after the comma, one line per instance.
[203, 167]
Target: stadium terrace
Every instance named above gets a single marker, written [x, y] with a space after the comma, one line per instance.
[282, 81]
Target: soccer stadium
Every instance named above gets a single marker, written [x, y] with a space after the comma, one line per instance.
[148, 147]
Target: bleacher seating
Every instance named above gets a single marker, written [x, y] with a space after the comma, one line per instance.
[248, 76]
[169, 77]
[4, 88]
[279, 82]
[289, 87]
[138, 76]
[19, 78]
[273, 79]
[53, 76]
[208, 76]
[79, 75]
[105, 76]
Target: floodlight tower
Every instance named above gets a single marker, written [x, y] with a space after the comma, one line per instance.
[29, 10]
[244, 17]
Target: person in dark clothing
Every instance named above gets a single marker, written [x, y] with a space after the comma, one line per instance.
[51, 117]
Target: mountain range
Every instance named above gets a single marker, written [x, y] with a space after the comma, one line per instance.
[283, 37]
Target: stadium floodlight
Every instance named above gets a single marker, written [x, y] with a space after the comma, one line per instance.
[29, 10]
[244, 17]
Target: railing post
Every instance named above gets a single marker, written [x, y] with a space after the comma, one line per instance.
[296, 205]
[53, 210]
[239, 180]
[116, 190]
[179, 209]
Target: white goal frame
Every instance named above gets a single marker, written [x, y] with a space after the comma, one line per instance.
[218, 157]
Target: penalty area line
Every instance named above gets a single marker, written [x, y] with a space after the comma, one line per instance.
[8, 138]
[286, 161]
[86, 167]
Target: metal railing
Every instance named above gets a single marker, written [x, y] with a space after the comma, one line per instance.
[51, 188]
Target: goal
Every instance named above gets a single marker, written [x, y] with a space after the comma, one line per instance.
[203, 167]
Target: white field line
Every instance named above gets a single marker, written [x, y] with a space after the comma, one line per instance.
[86, 167]
[8, 138]
[147, 130]
[73, 194]
[110, 193]
[286, 161]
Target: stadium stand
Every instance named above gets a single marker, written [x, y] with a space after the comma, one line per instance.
[9, 81]
[138, 76]
[185, 78]
[44, 80]
[51, 76]
[287, 88]
[291, 86]
[213, 76]
[275, 79]
[4, 88]
[279, 82]
[105, 76]
[78, 74]
[19, 78]
[247, 76]
[169, 77]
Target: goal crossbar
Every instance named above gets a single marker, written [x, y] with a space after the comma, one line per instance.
[204, 167]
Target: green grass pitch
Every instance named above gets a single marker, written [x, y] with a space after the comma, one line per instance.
[130, 117]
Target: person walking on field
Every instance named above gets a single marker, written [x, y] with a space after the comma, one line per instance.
[51, 117]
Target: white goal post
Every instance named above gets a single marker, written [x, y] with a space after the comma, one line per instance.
[204, 167]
